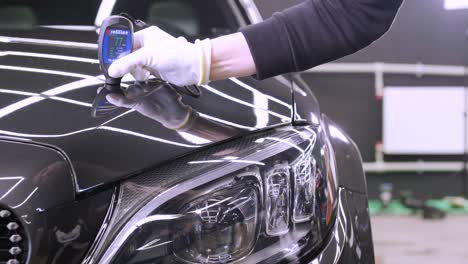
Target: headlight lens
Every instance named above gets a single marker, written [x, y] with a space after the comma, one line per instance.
[263, 198]
[225, 225]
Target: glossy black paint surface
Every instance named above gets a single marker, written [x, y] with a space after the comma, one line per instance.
[36, 183]
[106, 150]
[351, 238]
[349, 159]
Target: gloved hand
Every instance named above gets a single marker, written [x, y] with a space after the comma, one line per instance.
[156, 100]
[174, 60]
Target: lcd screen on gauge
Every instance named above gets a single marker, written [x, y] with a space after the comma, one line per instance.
[116, 43]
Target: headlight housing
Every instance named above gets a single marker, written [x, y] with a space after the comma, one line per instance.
[267, 197]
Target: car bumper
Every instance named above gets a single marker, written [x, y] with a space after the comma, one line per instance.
[351, 237]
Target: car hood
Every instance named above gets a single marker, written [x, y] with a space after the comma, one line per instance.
[49, 79]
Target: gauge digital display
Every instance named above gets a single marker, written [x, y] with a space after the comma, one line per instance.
[117, 43]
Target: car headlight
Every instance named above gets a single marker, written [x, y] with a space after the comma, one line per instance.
[266, 198]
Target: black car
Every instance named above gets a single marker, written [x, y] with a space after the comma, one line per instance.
[263, 176]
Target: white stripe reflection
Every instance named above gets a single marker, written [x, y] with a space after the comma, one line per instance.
[25, 200]
[311, 138]
[227, 161]
[26, 135]
[113, 129]
[105, 10]
[250, 88]
[52, 92]
[194, 139]
[71, 101]
[222, 121]
[136, 134]
[71, 27]
[261, 140]
[65, 100]
[48, 56]
[288, 83]
[118, 117]
[47, 42]
[262, 116]
[19, 180]
[234, 99]
[36, 70]
[7, 91]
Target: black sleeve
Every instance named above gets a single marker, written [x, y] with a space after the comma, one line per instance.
[315, 32]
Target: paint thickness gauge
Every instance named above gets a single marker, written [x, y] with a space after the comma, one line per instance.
[115, 41]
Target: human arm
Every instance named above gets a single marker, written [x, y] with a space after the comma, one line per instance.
[301, 37]
[317, 31]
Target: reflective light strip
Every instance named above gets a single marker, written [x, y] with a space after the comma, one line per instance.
[7, 91]
[70, 101]
[285, 142]
[128, 132]
[19, 105]
[66, 100]
[261, 115]
[47, 56]
[52, 92]
[222, 121]
[234, 99]
[36, 70]
[227, 161]
[118, 117]
[105, 10]
[71, 27]
[194, 139]
[19, 178]
[47, 42]
[25, 200]
[290, 84]
[336, 133]
[25, 135]
[206, 162]
[152, 244]
[250, 88]
[248, 162]
[118, 130]
[15, 138]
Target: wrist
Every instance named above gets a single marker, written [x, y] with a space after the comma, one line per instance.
[205, 53]
[231, 57]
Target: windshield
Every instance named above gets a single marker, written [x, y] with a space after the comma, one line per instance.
[27, 14]
[188, 18]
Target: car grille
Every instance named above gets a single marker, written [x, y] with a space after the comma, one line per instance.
[13, 242]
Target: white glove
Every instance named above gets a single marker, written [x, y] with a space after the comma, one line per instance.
[174, 60]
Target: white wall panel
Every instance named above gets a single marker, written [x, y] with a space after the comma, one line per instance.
[424, 120]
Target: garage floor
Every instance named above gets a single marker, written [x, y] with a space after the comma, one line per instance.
[411, 240]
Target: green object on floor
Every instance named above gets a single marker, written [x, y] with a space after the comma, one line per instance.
[397, 208]
[394, 208]
[448, 207]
